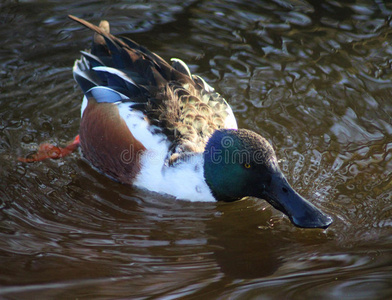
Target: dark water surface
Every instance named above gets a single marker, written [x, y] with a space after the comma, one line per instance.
[314, 77]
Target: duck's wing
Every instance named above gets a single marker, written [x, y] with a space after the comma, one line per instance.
[184, 106]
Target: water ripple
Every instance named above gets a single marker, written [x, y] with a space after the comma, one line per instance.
[313, 77]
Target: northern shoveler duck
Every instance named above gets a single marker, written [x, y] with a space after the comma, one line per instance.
[156, 126]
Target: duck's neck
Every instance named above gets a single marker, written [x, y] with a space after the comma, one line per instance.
[222, 175]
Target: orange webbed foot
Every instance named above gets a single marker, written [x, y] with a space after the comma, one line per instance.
[46, 151]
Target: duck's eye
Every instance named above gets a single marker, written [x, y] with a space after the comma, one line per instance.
[247, 166]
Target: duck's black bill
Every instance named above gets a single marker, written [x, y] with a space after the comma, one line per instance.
[301, 212]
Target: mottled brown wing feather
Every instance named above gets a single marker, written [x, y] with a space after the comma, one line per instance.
[170, 97]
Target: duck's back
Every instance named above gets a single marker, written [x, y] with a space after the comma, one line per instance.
[175, 103]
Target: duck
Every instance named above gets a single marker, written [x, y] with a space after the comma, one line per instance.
[154, 125]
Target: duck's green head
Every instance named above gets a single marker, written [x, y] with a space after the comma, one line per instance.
[240, 163]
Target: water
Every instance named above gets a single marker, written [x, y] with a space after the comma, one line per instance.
[313, 77]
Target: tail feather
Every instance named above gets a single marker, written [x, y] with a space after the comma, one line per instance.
[127, 54]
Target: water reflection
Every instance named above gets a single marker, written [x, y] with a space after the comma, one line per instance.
[313, 76]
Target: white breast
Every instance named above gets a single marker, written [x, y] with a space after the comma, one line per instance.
[184, 180]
